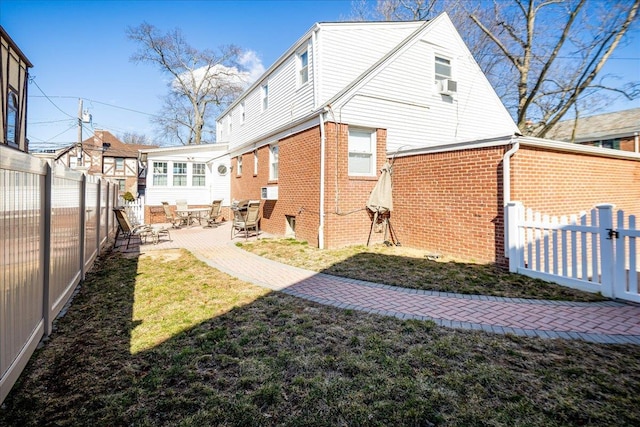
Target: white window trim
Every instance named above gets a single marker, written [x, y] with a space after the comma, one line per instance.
[255, 162]
[203, 174]
[300, 68]
[264, 96]
[374, 159]
[154, 174]
[437, 56]
[272, 176]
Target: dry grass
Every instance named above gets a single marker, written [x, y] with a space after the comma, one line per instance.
[169, 341]
[410, 268]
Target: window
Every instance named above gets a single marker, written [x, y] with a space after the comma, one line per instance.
[119, 164]
[274, 159]
[265, 97]
[362, 152]
[255, 162]
[159, 174]
[443, 68]
[609, 143]
[121, 185]
[199, 176]
[242, 112]
[12, 119]
[179, 174]
[303, 67]
[239, 165]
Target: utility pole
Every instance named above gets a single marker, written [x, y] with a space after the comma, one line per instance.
[79, 147]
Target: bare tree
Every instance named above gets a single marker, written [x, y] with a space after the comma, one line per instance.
[135, 138]
[555, 51]
[201, 81]
[543, 57]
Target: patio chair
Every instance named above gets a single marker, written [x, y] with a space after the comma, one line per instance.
[181, 210]
[246, 219]
[172, 218]
[125, 229]
[214, 213]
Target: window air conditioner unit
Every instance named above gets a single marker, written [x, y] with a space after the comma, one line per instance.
[448, 87]
[269, 193]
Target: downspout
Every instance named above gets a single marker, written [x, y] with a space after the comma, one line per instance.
[637, 144]
[506, 188]
[322, 181]
[506, 171]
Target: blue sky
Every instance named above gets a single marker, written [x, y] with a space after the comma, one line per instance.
[80, 50]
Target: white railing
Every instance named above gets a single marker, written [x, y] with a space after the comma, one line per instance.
[589, 251]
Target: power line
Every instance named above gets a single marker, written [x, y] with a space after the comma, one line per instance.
[97, 102]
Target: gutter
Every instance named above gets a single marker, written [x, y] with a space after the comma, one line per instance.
[506, 188]
[322, 181]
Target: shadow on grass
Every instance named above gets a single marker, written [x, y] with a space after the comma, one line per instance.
[279, 360]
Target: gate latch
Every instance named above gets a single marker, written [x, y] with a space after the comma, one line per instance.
[612, 233]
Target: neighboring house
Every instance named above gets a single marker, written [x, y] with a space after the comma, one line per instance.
[105, 155]
[198, 174]
[311, 134]
[617, 130]
[14, 76]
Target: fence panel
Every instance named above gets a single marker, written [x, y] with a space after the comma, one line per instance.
[134, 210]
[590, 252]
[53, 221]
[22, 180]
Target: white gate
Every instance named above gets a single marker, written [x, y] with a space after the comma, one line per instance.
[134, 210]
[591, 252]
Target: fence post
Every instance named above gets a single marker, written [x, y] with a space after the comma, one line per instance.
[46, 250]
[513, 243]
[98, 216]
[83, 222]
[605, 223]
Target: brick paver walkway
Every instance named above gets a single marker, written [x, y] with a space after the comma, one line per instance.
[603, 322]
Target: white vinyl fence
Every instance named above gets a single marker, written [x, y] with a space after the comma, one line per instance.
[54, 222]
[134, 210]
[593, 251]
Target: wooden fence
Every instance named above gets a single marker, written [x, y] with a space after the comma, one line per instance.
[593, 251]
[54, 223]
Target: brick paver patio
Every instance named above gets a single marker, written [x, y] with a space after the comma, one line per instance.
[603, 322]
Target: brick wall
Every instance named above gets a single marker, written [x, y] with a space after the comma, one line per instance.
[451, 203]
[298, 185]
[560, 183]
[347, 220]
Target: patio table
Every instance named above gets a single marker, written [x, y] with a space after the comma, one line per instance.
[194, 214]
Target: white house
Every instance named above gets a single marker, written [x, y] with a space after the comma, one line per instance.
[196, 173]
[322, 120]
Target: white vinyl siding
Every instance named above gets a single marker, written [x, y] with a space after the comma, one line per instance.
[362, 152]
[265, 97]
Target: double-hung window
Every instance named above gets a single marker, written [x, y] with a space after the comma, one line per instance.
[362, 152]
[198, 175]
[179, 174]
[265, 97]
[160, 174]
[274, 159]
[119, 164]
[303, 67]
[255, 162]
[442, 68]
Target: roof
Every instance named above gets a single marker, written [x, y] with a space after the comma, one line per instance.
[598, 127]
[115, 148]
[14, 46]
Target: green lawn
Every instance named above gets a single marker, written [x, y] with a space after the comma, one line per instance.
[165, 340]
[411, 268]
